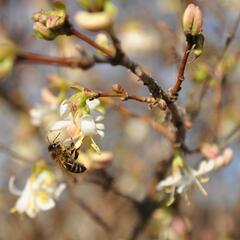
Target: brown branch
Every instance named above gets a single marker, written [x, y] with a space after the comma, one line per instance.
[120, 59]
[180, 76]
[88, 40]
[83, 63]
[156, 91]
[124, 96]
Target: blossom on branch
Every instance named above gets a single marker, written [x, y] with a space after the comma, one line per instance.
[80, 119]
[43, 113]
[50, 24]
[39, 194]
[184, 177]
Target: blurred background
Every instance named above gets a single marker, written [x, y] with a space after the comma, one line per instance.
[151, 34]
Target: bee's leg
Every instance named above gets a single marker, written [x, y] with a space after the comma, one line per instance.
[76, 153]
[71, 148]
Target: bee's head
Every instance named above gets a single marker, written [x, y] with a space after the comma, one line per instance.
[53, 146]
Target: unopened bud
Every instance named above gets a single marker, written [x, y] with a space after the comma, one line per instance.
[210, 151]
[42, 32]
[96, 21]
[192, 20]
[102, 161]
[118, 88]
[49, 24]
[93, 5]
[7, 55]
[224, 159]
[103, 40]
[198, 46]
[55, 22]
[162, 104]
[39, 17]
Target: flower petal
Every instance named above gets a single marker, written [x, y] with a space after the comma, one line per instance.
[88, 126]
[44, 201]
[12, 188]
[64, 109]
[59, 190]
[99, 118]
[100, 133]
[100, 126]
[58, 125]
[26, 199]
[93, 104]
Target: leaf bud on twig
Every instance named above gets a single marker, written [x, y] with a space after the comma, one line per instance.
[192, 20]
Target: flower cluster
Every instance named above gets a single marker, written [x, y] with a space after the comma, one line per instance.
[42, 114]
[183, 177]
[80, 119]
[75, 120]
[46, 113]
[49, 24]
[39, 194]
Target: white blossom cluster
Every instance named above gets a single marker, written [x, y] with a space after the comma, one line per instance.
[39, 194]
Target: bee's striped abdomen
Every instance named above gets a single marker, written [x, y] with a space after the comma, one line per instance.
[74, 167]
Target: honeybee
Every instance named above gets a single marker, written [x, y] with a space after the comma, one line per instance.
[66, 157]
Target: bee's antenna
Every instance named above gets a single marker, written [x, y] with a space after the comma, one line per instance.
[54, 138]
[48, 140]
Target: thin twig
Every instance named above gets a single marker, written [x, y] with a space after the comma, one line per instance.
[156, 91]
[119, 59]
[124, 96]
[180, 76]
[83, 63]
[88, 40]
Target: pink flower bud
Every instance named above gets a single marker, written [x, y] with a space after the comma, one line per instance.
[118, 88]
[192, 20]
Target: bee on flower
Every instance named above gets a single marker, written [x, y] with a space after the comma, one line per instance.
[80, 120]
[39, 194]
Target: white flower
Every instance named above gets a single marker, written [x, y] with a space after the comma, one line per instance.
[86, 125]
[39, 193]
[40, 113]
[66, 125]
[46, 111]
[93, 104]
[91, 127]
[182, 179]
[90, 124]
